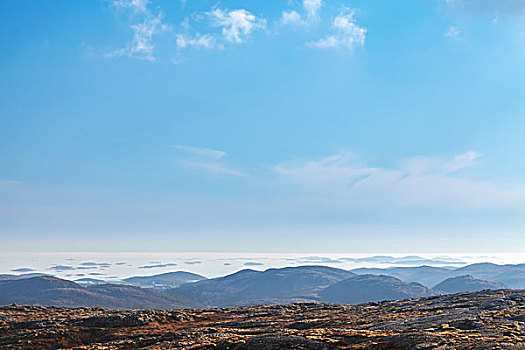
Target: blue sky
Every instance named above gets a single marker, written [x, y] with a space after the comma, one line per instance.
[291, 126]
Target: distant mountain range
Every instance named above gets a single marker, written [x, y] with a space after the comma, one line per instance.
[165, 280]
[271, 286]
[511, 276]
[247, 287]
[22, 276]
[52, 291]
[426, 275]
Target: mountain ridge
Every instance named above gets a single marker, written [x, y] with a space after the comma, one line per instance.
[53, 291]
[164, 280]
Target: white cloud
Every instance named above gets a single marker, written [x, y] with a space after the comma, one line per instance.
[198, 41]
[236, 25]
[347, 34]
[141, 46]
[202, 152]
[312, 7]
[325, 43]
[138, 6]
[311, 12]
[291, 18]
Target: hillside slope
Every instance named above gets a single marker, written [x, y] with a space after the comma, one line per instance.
[52, 291]
[367, 288]
[466, 283]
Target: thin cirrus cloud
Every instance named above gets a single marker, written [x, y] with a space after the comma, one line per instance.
[345, 182]
[421, 181]
[202, 151]
[214, 167]
[422, 165]
[345, 33]
[207, 160]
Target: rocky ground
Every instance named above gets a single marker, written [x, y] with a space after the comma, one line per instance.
[481, 320]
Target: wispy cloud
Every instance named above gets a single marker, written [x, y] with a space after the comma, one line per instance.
[198, 41]
[338, 194]
[333, 169]
[202, 151]
[236, 25]
[208, 160]
[310, 12]
[225, 26]
[423, 181]
[214, 167]
[138, 6]
[291, 18]
[141, 46]
[461, 161]
[312, 7]
[425, 165]
[346, 33]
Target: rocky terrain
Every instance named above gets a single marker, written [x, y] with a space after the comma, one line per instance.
[476, 320]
